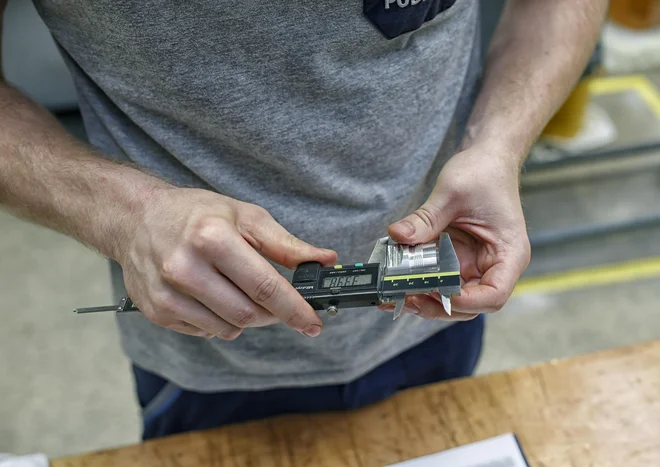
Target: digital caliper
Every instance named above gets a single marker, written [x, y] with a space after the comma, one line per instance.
[393, 272]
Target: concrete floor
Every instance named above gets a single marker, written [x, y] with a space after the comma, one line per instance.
[540, 327]
[64, 384]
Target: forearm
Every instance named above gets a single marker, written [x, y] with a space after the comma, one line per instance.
[537, 55]
[50, 178]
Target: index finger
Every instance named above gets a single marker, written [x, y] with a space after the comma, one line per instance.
[260, 281]
[490, 293]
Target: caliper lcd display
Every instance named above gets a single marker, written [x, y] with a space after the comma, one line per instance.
[346, 281]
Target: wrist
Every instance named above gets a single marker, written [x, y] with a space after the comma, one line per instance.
[503, 152]
[505, 138]
[131, 198]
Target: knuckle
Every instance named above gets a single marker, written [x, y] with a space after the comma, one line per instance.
[252, 215]
[500, 300]
[175, 269]
[185, 328]
[427, 216]
[434, 315]
[267, 289]
[249, 233]
[460, 187]
[230, 334]
[163, 303]
[250, 220]
[258, 213]
[161, 319]
[292, 249]
[206, 232]
[150, 314]
[292, 319]
[244, 318]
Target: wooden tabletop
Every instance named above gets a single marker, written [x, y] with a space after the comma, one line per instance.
[599, 409]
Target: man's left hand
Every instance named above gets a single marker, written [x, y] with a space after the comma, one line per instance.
[477, 201]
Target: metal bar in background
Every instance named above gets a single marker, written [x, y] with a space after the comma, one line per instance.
[554, 237]
[613, 153]
[589, 172]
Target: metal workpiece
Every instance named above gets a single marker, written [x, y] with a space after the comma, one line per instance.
[406, 259]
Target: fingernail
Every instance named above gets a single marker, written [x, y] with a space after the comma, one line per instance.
[406, 228]
[410, 308]
[312, 330]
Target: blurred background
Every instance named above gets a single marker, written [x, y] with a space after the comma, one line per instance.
[591, 193]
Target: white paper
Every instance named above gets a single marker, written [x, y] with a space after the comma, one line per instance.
[32, 460]
[501, 451]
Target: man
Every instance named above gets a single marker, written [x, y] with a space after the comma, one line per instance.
[231, 141]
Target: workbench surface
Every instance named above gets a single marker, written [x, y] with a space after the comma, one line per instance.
[599, 409]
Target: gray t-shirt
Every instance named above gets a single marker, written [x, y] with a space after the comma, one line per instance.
[335, 116]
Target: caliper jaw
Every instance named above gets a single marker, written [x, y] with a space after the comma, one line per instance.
[379, 255]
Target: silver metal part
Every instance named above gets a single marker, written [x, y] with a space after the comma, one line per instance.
[448, 261]
[97, 309]
[125, 306]
[379, 253]
[332, 310]
[411, 259]
[399, 307]
[446, 304]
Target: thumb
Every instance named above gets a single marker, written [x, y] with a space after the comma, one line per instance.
[277, 244]
[423, 225]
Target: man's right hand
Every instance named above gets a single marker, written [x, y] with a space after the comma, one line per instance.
[191, 264]
[189, 256]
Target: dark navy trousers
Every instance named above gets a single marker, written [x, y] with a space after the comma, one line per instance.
[167, 409]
